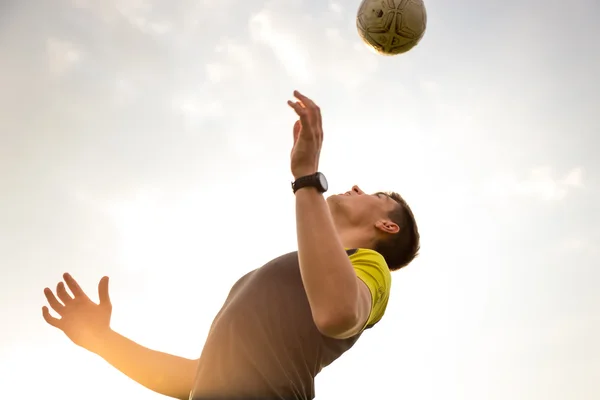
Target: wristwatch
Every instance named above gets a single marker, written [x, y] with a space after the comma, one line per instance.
[316, 180]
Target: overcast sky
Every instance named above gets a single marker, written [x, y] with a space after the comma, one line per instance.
[149, 141]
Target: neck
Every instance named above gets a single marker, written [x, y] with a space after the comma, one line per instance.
[353, 238]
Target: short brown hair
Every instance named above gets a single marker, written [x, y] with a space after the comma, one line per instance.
[401, 248]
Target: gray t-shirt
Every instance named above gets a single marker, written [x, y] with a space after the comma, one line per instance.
[263, 344]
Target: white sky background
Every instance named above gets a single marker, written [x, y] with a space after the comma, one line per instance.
[149, 141]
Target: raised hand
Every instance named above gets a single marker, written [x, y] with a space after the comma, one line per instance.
[82, 320]
[308, 136]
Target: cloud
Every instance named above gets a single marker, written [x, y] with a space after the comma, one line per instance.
[574, 245]
[336, 7]
[194, 110]
[62, 55]
[429, 86]
[233, 59]
[288, 50]
[290, 32]
[541, 183]
[138, 14]
[574, 178]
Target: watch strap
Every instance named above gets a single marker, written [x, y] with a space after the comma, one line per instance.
[307, 181]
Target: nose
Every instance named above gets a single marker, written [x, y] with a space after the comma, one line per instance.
[357, 190]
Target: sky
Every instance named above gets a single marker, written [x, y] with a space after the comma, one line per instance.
[144, 139]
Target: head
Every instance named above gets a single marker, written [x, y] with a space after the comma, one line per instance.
[382, 221]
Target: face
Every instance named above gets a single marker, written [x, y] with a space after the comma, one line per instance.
[363, 210]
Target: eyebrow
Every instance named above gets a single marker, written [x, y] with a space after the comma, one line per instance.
[388, 195]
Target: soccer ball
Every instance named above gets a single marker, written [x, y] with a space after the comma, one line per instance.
[391, 27]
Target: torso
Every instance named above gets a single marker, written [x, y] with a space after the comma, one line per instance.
[263, 343]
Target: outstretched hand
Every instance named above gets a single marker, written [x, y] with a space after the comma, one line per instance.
[82, 320]
[308, 136]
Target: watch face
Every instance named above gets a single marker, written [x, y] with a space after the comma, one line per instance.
[323, 182]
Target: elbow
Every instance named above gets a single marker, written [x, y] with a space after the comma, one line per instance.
[337, 324]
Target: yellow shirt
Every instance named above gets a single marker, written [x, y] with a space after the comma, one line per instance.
[371, 268]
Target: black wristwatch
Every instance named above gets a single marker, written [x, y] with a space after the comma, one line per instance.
[316, 180]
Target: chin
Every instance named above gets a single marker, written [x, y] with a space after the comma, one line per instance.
[334, 201]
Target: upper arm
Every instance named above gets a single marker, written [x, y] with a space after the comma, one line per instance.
[374, 284]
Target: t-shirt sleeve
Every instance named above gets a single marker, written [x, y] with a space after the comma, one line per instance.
[371, 268]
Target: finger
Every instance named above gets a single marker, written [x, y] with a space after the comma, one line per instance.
[62, 293]
[300, 111]
[55, 322]
[297, 106]
[74, 286]
[305, 100]
[54, 303]
[314, 110]
[103, 292]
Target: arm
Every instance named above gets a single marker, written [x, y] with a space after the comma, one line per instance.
[339, 301]
[87, 324]
[160, 372]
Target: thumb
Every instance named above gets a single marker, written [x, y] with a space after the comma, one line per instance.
[55, 322]
[297, 129]
[103, 292]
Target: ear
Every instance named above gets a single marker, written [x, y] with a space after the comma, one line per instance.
[387, 226]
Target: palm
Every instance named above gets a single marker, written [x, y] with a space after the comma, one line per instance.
[82, 320]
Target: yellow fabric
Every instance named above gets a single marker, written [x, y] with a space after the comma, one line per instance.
[371, 268]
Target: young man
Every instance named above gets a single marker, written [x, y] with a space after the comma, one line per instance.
[281, 323]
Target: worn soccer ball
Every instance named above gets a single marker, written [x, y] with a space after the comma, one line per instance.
[391, 27]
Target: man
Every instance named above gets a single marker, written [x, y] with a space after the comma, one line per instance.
[281, 323]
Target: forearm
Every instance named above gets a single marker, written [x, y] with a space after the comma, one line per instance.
[163, 373]
[327, 274]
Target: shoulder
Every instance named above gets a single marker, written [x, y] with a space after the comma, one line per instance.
[372, 269]
[370, 259]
